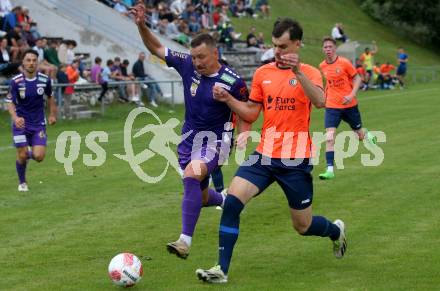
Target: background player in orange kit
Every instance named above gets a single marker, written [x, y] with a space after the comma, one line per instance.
[342, 85]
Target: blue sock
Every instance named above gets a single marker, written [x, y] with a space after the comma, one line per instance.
[330, 157]
[229, 229]
[217, 179]
[321, 226]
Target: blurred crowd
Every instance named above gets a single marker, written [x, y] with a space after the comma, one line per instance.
[180, 20]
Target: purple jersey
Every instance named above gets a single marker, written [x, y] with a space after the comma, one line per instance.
[28, 97]
[202, 112]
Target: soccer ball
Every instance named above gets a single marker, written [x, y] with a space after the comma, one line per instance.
[125, 270]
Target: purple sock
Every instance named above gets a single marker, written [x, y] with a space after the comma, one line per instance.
[21, 171]
[215, 198]
[191, 205]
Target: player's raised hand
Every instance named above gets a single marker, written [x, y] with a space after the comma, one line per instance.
[291, 60]
[19, 122]
[220, 94]
[52, 119]
[138, 11]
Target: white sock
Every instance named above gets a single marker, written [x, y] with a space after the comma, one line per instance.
[330, 168]
[186, 239]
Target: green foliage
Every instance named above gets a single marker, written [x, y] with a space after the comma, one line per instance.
[419, 20]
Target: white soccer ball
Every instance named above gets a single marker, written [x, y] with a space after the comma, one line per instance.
[125, 270]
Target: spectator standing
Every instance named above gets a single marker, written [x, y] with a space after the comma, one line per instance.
[367, 58]
[402, 60]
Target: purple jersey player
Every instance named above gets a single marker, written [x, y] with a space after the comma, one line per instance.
[207, 119]
[26, 106]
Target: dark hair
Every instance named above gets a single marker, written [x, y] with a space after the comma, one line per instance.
[109, 62]
[30, 51]
[98, 60]
[328, 38]
[117, 59]
[203, 38]
[287, 24]
[126, 62]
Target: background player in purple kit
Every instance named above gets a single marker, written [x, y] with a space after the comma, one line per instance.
[200, 72]
[26, 106]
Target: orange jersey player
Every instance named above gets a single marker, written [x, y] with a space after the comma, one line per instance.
[285, 91]
[343, 82]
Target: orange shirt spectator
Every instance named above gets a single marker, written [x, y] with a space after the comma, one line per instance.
[386, 69]
[73, 76]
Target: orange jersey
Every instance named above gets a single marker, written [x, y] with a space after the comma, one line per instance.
[286, 111]
[339, 75]
[386, 69]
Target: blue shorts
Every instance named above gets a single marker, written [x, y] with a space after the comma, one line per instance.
[351, 115]
[295, 180]
[401, 71]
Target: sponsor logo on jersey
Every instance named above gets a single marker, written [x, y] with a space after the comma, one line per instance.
[42, 79]
[228, 78]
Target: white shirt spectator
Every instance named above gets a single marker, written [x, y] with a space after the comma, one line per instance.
[120, 8]
[178, 6]
[70, 56]
[5, 55]
[268, 55]
[5, 7]
[40, 53]
[335, 33]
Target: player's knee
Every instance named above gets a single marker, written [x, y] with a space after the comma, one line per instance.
[196, 170]
[38, 157]
[301, 226]
[22, 157]
[330, 137]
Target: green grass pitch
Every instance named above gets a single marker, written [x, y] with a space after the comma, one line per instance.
[62, 234]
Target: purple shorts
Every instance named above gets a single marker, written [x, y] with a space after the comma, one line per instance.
[211, 154]
[29, 136]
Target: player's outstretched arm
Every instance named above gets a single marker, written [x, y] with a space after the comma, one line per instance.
[53, 110]
[247, 111]
[149, 39]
